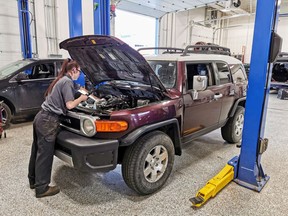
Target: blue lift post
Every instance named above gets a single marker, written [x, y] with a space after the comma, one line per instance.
[24, 24]
[75, 27]
[102, 17]
[246, 169]
[75, 17]
[249, 172]
[97, 17]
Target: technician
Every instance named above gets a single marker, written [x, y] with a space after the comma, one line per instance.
[59, 99]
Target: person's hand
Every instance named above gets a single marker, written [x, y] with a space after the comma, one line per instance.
[83, 97]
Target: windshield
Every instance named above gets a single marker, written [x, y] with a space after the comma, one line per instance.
[166, 72]
[9, 69]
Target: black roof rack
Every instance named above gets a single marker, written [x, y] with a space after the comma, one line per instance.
[169, 50]
[206, 49]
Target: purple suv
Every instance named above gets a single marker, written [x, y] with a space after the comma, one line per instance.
[149, 107]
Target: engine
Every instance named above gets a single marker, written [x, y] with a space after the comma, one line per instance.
[113, 97]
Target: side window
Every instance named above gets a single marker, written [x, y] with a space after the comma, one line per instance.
[223, 73]
[42, 71]
[58, 68]
[166, 72]
[202, 69]
[237, 73]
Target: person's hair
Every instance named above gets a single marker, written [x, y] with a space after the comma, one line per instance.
[67, 65]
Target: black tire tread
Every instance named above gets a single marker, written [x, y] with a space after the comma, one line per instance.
[131, 159]
[227, 129]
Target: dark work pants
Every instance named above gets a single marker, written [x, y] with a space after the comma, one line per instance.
[45, 129]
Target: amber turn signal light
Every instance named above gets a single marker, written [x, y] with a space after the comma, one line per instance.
[111, 126]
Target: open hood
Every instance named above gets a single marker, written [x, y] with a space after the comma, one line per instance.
[104, 58]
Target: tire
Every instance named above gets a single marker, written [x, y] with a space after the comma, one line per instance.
[233, 129]
[145, 154]
[6, 116]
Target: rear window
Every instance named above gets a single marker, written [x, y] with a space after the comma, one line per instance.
[223, 73]
[237, 72]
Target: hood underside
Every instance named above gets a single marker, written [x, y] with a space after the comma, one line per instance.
[104, 58]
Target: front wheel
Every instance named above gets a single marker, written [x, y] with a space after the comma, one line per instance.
[148, 163]
[233, 129]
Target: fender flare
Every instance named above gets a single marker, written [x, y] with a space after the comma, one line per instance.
[233, 110]
[175, 135]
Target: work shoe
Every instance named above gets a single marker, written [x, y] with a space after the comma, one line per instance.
[50, 192]
[32, 186]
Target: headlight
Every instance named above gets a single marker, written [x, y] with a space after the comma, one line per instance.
[88, 127]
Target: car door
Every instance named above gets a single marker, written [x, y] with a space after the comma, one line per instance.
[31, 90]
[201, 113]
[224, 88]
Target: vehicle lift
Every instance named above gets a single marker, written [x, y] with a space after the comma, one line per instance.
[246, 169]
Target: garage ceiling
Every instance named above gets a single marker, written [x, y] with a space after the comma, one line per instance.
[157, 8]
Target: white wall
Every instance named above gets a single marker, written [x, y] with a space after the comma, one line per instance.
[10, 44]
[179, 29]
[10, 47]
[175, 29]
[240, 33]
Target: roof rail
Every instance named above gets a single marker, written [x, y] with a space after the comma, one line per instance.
[169, 50]
[206, 49]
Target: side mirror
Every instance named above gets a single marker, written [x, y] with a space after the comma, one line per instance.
[199, 83]
[21, 76]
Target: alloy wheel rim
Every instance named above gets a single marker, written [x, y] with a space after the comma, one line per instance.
[155, 164]
[3, 115]
[239, 125]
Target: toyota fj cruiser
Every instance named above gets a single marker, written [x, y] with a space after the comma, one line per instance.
[149, 108]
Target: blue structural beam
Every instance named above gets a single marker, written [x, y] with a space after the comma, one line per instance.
[75, 17]
[24, 24]
[102, 17]
[97, 17]
[250, 172]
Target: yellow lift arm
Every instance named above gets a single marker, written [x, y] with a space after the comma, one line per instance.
[213, 186]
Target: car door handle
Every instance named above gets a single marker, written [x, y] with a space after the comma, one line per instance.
[217, 96]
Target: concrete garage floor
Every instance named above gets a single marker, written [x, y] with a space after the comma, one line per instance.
[107, 194]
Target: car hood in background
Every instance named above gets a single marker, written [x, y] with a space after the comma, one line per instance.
[104, 58]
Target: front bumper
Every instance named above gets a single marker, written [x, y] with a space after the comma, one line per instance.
[86, 154]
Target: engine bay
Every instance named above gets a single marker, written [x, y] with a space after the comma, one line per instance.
[111, 96]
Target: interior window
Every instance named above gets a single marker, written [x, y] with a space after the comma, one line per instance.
[166, 72]
[237, 73]
[42, 71]
[58, 68]
[223, 73]
[203, 69]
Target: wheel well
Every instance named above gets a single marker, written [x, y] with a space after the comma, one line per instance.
[242, 103]
[172, 130]
[9, 104]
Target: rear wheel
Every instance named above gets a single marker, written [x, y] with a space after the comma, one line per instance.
[148, 163]
[233, 129]
[6, 115]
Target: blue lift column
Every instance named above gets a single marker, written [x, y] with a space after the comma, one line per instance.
[249, 172]
[75, 17]
[102, 17]
[75, 27]
[24, 24]
[246, 169]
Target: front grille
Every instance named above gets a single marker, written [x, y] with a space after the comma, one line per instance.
[70, 122]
